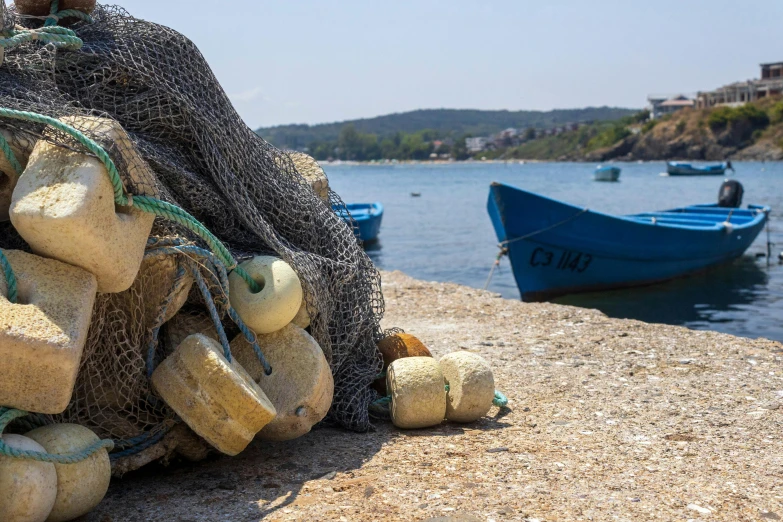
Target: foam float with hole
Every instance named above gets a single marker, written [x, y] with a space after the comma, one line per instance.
[215, 397]
[42, 335]
[28, 488]
[82, 485]
[276, 304]
[397, 346]
[300, 386]
[63, 206]
[471, 386]
[418, 392]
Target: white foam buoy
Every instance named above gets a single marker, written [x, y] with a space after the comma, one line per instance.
[302, 317]
[28, 488]
[276, 304]
[418, 392]
[300, 386]
[312, 172]
[42, 335]
[471, 386]
[82, 485]
[63, 206]
[216, 398]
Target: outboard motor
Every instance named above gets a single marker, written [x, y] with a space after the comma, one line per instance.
[730, 195]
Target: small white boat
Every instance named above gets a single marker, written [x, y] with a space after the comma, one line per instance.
[606, 173]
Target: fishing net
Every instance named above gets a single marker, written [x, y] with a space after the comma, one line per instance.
[196, 153]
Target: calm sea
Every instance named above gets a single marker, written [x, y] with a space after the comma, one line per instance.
[446, 235]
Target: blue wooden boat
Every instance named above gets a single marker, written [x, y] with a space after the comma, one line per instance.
[557, 249]
[366, 218]
[679, 168]
[607, 173]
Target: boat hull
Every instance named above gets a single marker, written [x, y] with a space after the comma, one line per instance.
[607, 174]
[366, 219]
[686, 169]
[557, 249]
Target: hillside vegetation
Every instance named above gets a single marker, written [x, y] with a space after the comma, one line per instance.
[753, 131]
[440, 123]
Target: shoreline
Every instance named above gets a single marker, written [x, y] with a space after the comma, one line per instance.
[341, 163]
[608, 418]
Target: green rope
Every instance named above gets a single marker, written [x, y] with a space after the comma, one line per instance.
[55, 15]
[144, 203]
[68, 458]
[10, 278]
[10, 156]
[500, 400]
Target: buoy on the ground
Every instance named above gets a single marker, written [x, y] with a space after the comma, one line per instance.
[216, 398]
[471, 386]
[42, 335]
[63, 206]
[300, 386]
[43, 7]
[278, 301]
[28, 488]
[82, 485]
[397, 346]
[418, 393]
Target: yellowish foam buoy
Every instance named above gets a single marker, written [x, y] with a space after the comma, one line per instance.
[300, 386]
[43, 7]
[28, 488]
[302, 317]
[82, 485]
[216, 398]
[276, 304]
[418, 393]
[471, 386]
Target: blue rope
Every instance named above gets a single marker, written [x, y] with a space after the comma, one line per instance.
[10, 278]
[9, 415]
[10, 156]
[138, 444]
[178, 278]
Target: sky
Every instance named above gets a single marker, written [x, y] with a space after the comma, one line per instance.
[307, 61]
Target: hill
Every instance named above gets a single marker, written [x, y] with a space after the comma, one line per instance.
[444, 123]
[753, 131]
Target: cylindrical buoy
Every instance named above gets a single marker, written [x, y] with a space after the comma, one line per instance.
[215, 397]
[276, 304]
[418, 393]
[300, 386]
[28, 488]
[43, 7]
[82, 485]
[471, 386]
[397, 346]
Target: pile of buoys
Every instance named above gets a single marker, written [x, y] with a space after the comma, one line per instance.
[423, 392]
[63, 206]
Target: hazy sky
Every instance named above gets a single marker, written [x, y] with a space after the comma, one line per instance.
[301, 61]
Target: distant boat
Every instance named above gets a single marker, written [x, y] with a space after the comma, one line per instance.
[415, 194]
[679, 168]
[366, 216]
[606, 173]
[557, 249]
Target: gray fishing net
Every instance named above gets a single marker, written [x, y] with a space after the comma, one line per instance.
[203, 158]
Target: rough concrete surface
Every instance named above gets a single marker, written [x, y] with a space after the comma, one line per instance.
[609, 420]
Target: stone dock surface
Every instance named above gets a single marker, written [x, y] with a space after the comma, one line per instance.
[609, 420]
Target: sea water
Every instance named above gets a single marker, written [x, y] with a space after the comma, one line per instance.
[446, 235]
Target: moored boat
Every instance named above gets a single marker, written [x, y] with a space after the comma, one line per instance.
[556, 248]
[366, 217]
[679, 168]
[608, 173]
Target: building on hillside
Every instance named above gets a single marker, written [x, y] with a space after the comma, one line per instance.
[476, 144]
[739, 93]
[660, 105]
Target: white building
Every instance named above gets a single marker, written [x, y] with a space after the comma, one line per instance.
[476, 144]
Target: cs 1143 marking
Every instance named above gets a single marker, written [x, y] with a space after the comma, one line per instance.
[569, 260]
